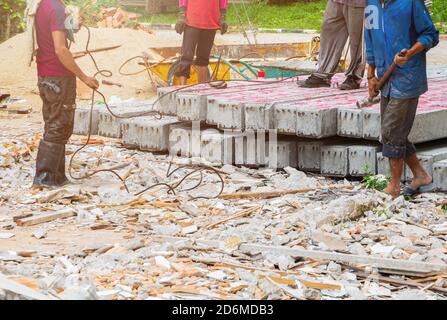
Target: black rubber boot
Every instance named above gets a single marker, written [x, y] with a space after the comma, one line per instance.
[314, 82]
[47, 165]
[61, 178]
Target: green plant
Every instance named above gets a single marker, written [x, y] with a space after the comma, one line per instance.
[382, 212]
[299, 15]
[440, 14]
[376, 182]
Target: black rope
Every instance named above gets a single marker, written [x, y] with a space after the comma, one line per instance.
[196, 169]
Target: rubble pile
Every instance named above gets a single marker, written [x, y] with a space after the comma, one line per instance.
[116, 18]
[93, 240]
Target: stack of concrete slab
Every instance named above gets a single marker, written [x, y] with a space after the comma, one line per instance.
[277, 124]
[99, 120]
[429, 123]
[147, 133]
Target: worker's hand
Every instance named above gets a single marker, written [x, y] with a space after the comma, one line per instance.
[181, 21]
[91, 82]
[372, 87]
[402, 58]
[223, 22]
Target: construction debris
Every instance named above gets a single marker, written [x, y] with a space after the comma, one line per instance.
[116, 18]
[328, 242]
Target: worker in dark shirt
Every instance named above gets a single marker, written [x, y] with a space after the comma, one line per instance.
[57, 72]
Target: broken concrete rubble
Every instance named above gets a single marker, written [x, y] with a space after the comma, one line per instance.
[314, 244]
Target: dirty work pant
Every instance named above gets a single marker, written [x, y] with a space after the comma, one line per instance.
[58, 95]
[340, 22]
[397, 118]
[195, 41]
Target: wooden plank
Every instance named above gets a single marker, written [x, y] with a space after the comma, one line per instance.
[380, 263]
[21, 290]
[47, 217]
[81, 54]
[386, 263]
[238, 215]
[17, 109]
[274, 194]
[409, 283]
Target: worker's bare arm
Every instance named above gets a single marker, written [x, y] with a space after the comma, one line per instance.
[66, 58]
[372, 81]
[408, 54]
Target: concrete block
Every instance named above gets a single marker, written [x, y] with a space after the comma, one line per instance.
[184, 139]
[383, 166]
[191, 107]
[371, 124]
[427, 164]
[438, 151]
[429, 125]
[131, 129]
[110, 126]
[166, 101]
[362, 160]
[255, 148]
[231, 116]
[180, 140]
[284, 118]
[440, 175]
[286, 154]
[334, 160]
[259, 149]
[217, 147]
[154, 134]
[245, 149]
[258, 116]
[212, 110]
[316, 123]
[239, 149]
[350, 122]
[428, 156]
[82, 120]
[309, 155]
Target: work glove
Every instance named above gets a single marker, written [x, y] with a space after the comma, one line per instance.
[181, 21]
[223, 21]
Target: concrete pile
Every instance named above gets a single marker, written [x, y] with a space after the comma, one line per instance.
[277, 124]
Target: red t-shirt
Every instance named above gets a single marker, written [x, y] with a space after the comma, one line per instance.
[203, 14]
[50, 17]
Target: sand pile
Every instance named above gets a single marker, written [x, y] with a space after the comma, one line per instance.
[16, 75]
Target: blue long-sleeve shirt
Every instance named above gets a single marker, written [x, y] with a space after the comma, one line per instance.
[397, 25]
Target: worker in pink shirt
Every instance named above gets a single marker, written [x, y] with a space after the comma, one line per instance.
[198, 21]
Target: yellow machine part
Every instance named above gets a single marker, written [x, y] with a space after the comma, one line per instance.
[161, 70]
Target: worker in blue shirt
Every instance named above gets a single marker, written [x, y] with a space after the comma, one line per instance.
[401, 32]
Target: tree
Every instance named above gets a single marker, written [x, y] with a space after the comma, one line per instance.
[11, 17]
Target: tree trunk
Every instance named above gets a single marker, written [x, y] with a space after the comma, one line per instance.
[8, 26]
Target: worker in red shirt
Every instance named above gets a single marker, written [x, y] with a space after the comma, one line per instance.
[57, 72]
[198, 21]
